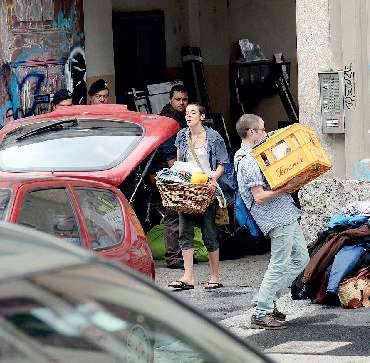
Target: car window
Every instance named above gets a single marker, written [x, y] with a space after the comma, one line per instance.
[9, 351]
[50, 211]
[103, 216]
[97, 315]
[89, 145]
[4, 202]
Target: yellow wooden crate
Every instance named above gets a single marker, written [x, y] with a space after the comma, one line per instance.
[290, 152]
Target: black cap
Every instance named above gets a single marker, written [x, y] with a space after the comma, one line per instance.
[61, 95]
[98, 86]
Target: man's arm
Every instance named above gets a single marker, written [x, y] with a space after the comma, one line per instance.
[262, 196]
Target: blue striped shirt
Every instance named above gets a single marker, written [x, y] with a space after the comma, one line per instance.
[279, 211]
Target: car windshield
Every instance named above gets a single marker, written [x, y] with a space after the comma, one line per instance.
[79, 145]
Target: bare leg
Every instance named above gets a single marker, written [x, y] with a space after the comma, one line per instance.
[214, 259]
[188, 276]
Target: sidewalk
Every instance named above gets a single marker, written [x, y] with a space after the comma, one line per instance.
[316, 333]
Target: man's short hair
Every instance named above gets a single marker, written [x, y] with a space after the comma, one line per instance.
[178, 88]
[201, 108]
[246, 122]
[61, 95]
[97, 86]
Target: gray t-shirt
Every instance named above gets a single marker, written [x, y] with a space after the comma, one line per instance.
[279, 211]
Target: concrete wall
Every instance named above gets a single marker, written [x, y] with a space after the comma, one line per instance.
[99, 43]
[355, 47]
[214, 23]
[223, 23]
[41, 51]
[315, 53]
[334, 35]
[272, 25]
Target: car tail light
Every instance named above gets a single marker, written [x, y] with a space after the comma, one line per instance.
[135, 221]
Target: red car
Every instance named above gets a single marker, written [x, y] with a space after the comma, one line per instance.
[69, 148]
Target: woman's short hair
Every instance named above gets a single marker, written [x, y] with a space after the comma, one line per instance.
[201, 108]
[246, 122]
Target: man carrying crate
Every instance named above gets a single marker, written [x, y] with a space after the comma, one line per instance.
[277, 216]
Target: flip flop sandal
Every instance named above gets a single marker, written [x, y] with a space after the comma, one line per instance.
[213, 285]
[180, 285]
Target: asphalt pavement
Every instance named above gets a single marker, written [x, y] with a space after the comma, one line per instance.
[316, 333]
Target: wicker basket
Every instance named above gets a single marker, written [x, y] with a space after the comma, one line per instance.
[186, 198]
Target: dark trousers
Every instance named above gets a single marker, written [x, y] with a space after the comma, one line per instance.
[207, 225]
[171, 237]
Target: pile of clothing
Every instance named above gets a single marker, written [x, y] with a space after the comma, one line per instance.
[339, 257]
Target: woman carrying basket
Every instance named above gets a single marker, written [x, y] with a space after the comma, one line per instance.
[205, 148]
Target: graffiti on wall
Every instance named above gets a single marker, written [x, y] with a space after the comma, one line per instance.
[349, 88]
[42, 50]
[75, 75]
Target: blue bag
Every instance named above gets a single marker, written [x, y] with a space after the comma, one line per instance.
[243, 216]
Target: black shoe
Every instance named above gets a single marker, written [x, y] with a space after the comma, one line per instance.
[176, 265]
[195, 261]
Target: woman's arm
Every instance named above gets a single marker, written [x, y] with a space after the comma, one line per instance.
[215, 175]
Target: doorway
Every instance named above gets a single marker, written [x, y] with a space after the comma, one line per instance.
[139, 51]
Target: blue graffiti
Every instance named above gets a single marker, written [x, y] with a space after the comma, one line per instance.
[26, 55]
[63, 22]
[14, 86]
[38, 81]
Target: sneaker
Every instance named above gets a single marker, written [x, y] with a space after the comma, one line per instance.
[267, 322]
[278, 315]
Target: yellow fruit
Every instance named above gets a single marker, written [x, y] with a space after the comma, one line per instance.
[199, 178]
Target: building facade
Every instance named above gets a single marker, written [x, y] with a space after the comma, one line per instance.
[48, 44]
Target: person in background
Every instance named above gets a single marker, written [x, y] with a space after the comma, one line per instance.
[201, 145]
[175, 109]
[61, 98]
[99, 92]
[277, 216]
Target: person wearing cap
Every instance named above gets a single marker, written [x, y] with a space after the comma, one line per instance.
[99, 92]
[61, 98]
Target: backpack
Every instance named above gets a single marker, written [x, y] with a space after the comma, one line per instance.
[242, 215]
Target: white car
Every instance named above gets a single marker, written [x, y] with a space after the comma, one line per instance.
[59, 303]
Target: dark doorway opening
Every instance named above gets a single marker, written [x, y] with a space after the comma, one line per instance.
[139, 51]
